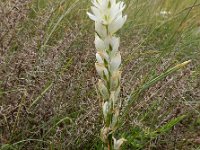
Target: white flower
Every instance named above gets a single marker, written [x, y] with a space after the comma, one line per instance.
[106, 109]
[115, 80]
[107, 43]
[107, 12]
[104, 134]
[114, 97]
[116, 24]
[101, 56]
[115, 119]
[101, 29]
[103, 90]
[113, 43]
[118, 143]
[164, 14]
[101, 69]
[99, 44]
[115, 62]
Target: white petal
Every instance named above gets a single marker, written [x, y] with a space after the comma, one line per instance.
[99, 59]
[104, 4]
[115, 119]
[115, 44]
[103, 45]
[117, 24]
[118, 143]
[103, 90]
[104, 134]
[100, 29]
[101, 70]
[96, 12]
[117, 92]
[113, 2]
[96, 3]
[112, 97]
[103, 55]
[92, 17]
[107, 42]
[115, 80]
[106, 109]
[99, 43]
[115, 62]
[116, 10]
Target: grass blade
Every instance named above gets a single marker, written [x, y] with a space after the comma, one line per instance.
[42, 94]
[135, 94]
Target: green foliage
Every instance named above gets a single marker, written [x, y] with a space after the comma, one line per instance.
[168, 126]
[138, 137]
[135, 94]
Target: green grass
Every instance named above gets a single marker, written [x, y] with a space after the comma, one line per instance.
[47, 77]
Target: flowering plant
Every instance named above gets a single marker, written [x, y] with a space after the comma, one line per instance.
[108, 18]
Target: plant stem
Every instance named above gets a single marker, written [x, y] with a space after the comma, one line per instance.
[110, 142]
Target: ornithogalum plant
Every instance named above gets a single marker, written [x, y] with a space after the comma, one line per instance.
[108, 18]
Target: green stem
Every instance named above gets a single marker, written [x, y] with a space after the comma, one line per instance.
[110, 142]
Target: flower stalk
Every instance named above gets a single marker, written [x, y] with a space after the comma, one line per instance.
[108, 18]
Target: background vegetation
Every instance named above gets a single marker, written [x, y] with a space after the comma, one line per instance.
[48, 97]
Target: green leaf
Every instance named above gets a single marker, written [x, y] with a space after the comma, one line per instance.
[163, 75]
[48, 86]
[59, 122]
[135, 94]
[168, 126]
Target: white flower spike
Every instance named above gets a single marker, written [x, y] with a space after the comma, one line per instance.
[108, 18]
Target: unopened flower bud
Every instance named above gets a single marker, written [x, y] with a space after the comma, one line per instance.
[115, 80]
[115, 62]
[106, 110]
[115, 119]
[104, 134]
[103, 90]
[101, 70]
[99, 44]
[118, 143]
